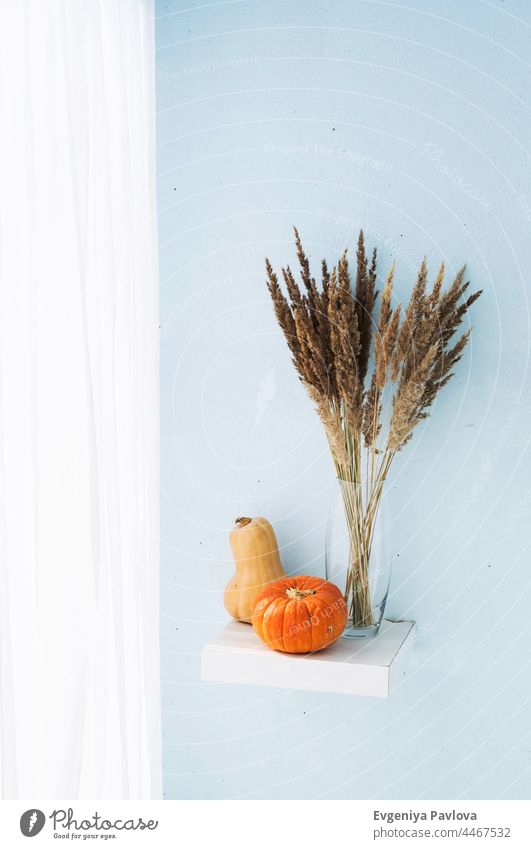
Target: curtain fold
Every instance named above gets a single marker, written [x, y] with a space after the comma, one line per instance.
[79, 529]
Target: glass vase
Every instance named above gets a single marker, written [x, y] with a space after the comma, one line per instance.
[357, 557]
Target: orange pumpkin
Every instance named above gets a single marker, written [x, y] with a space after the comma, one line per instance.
[300, 614]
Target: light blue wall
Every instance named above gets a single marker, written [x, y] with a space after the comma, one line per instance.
[413, 121]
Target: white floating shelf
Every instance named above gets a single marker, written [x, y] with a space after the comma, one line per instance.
[358, 667]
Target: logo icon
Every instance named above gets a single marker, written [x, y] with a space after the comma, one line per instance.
[31, 822]
[266, 391]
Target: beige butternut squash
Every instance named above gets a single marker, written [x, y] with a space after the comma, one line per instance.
[255, 551]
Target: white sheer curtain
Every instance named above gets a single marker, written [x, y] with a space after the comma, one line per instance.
[79, 681]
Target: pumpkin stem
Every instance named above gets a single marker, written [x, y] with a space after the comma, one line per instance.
[242, 521]
[293, 592]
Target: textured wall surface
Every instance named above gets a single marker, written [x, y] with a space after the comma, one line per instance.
[412, 121]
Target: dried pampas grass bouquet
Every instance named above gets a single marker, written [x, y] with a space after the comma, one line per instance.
[351, 354]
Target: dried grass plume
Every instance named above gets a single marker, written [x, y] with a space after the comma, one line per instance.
[349, 359]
